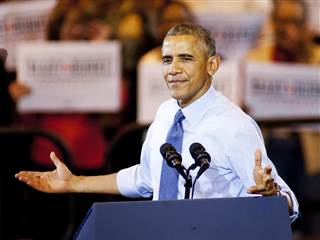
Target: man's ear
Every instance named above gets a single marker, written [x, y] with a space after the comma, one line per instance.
[213, 64]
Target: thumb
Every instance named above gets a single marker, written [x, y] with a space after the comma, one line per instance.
[56, 161]
[258, 158]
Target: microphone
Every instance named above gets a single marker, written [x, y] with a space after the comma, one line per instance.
[173, 158]
[201, 157]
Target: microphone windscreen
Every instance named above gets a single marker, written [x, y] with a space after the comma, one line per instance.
[195, 148]
[166, 147]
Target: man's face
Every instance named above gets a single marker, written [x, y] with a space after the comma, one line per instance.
[289, 25]
[186, 68]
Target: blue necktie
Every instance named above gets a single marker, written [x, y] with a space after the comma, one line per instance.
[169, 176]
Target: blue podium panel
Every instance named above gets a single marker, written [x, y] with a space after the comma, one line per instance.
[249, 218]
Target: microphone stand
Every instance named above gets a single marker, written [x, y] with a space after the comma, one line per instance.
[188, 184]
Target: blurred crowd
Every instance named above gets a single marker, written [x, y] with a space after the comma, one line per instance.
[140, 26]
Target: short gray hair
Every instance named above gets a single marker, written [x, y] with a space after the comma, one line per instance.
[199, 32]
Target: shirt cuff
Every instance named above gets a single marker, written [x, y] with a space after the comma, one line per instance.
[294, 216]
[126, 183]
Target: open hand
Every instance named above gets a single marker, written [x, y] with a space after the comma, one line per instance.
[265, 184]
[56, 181]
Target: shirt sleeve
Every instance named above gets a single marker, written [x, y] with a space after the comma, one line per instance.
[131, 184]
[241, 152]
[295, 205]
[136, 181]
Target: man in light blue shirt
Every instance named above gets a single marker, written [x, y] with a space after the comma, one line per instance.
[239, 166]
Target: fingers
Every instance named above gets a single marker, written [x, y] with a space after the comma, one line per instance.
[18, 89]
[28, 177]
[253, 189]
[268, 181]
[262, 176]
[267, 170]
[258, 158]
[25, 176]
[271, 190]
[260, 188]
[34, 180]
[268, 187]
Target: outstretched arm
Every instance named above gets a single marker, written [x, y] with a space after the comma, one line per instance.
[61, 180]
[265, 184]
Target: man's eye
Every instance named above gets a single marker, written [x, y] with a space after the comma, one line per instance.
[186, 59]
[166, 60]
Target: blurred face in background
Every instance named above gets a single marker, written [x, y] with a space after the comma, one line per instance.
[289, 24]
[77, 27]
[171, 15]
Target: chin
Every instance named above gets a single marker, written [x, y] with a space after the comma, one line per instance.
[175, 94]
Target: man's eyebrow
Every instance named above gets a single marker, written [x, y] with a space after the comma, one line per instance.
[183, 55]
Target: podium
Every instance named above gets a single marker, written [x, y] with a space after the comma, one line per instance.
[249, 218]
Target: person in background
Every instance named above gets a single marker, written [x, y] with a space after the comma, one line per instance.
[6, 103]
[70, 21]
[170, 14]
[133, 30]
[296, 152]
[292, 43]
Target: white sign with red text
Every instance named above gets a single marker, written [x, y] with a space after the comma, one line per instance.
[235, 32]
[73, 77]
[282, 91]
[22, 21]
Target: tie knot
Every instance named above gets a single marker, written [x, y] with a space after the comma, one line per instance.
[179, 116]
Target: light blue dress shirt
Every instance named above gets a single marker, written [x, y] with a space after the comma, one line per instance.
[229, 135]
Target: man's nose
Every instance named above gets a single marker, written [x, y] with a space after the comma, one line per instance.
[175, 67]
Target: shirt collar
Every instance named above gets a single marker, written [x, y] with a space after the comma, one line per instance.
[195, 111]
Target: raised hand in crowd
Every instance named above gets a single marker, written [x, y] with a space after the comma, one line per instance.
[18, 89]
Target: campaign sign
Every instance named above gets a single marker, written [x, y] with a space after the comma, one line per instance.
[21, 21]
[235, 32]
[282, 91]
[73, 77]
[152, 91]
